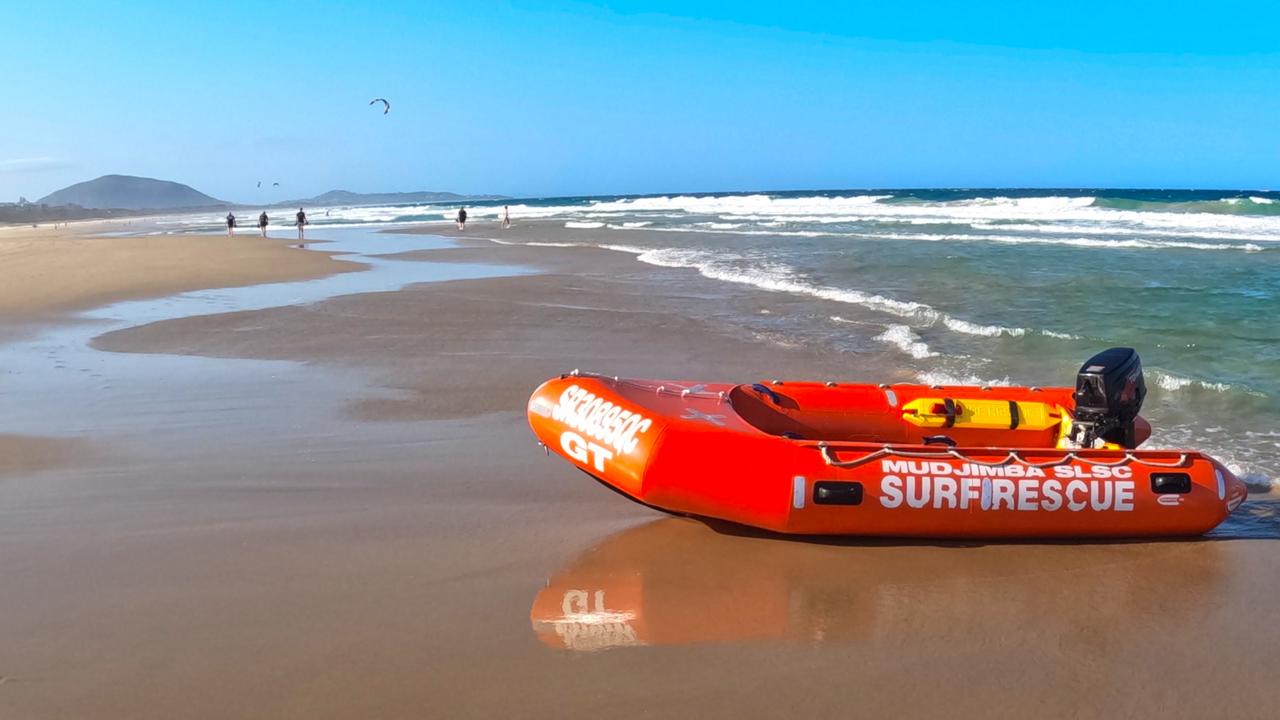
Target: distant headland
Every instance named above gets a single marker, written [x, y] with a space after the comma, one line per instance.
[128, 195]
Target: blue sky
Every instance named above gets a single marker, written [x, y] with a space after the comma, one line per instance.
[528, 98]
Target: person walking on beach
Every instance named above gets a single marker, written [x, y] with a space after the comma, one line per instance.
[302, 222]
[506, 217]
[462, 219]
[262, 223]
[231, 224]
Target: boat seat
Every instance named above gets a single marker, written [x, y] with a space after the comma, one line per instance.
[772, 411]
[865, 414]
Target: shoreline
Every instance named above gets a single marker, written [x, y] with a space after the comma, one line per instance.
[58, 272]
[346, 491]
[58, 277]
[887, 335]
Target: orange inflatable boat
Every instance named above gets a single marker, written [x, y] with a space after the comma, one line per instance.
[891, 460]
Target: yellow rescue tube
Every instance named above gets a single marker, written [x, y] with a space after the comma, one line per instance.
[982, 414]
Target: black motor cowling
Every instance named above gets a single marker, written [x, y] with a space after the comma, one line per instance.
[1109, 393]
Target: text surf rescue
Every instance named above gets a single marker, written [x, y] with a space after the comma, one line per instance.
[941, 485]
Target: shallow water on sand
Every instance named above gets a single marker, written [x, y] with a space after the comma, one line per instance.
[976, 286]
[57, 384]
[992, 287]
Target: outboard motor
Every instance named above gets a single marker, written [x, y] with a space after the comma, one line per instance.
[1109, 393]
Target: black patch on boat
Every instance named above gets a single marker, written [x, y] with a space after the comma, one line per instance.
[1170, 483]
[831, 492]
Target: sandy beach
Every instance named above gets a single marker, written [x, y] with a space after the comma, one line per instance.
[74, 267]
[335, 509]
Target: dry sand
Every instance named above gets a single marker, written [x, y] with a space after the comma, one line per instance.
[50, 270]
[381, 538]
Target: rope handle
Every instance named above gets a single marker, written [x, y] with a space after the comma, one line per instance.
[697, 392]
[828, 456]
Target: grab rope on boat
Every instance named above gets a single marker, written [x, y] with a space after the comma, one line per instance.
[697, 391]
[828, 455]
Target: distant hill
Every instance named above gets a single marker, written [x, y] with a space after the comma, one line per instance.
[130, 193]
[346, 197]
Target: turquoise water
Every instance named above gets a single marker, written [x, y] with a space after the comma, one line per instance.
[984, 286]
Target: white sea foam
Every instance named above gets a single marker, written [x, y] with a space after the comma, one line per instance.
[579, 225]
[1173, 383]
[742, 204]
[1086, 242]
[938, 377]
[1078, 210]
[905, 339]
[1089, 242]
[968, 328]
[1108, 229]
[774, 338]
[774, 277]
[777, 277]
[1073, 216]
[539, 244]
[847, 321]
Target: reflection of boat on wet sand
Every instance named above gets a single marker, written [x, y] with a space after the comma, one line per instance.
[891, 460]
[676, 581]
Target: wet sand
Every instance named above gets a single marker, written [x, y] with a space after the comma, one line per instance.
[380, 537]
[51, 272]
[23, 455]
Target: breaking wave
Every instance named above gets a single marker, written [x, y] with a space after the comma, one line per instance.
[777, 277]
[1250, 205]
[774, 277]
[875, 234]
[1173, 383]
[906, 340]
[968, 328]
[938, 377]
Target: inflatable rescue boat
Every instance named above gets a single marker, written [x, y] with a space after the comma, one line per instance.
[897, 460]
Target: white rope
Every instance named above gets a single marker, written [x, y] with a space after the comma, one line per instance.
[660, 390]
[828, 455]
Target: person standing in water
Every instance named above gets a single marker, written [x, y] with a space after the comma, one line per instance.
[462, 219]
[506, 217]
[262, 223]
[302, 222]
[231, 224]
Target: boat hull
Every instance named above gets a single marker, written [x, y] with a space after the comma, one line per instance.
[688, 449]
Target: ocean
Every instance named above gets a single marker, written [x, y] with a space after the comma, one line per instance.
[980, 286]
